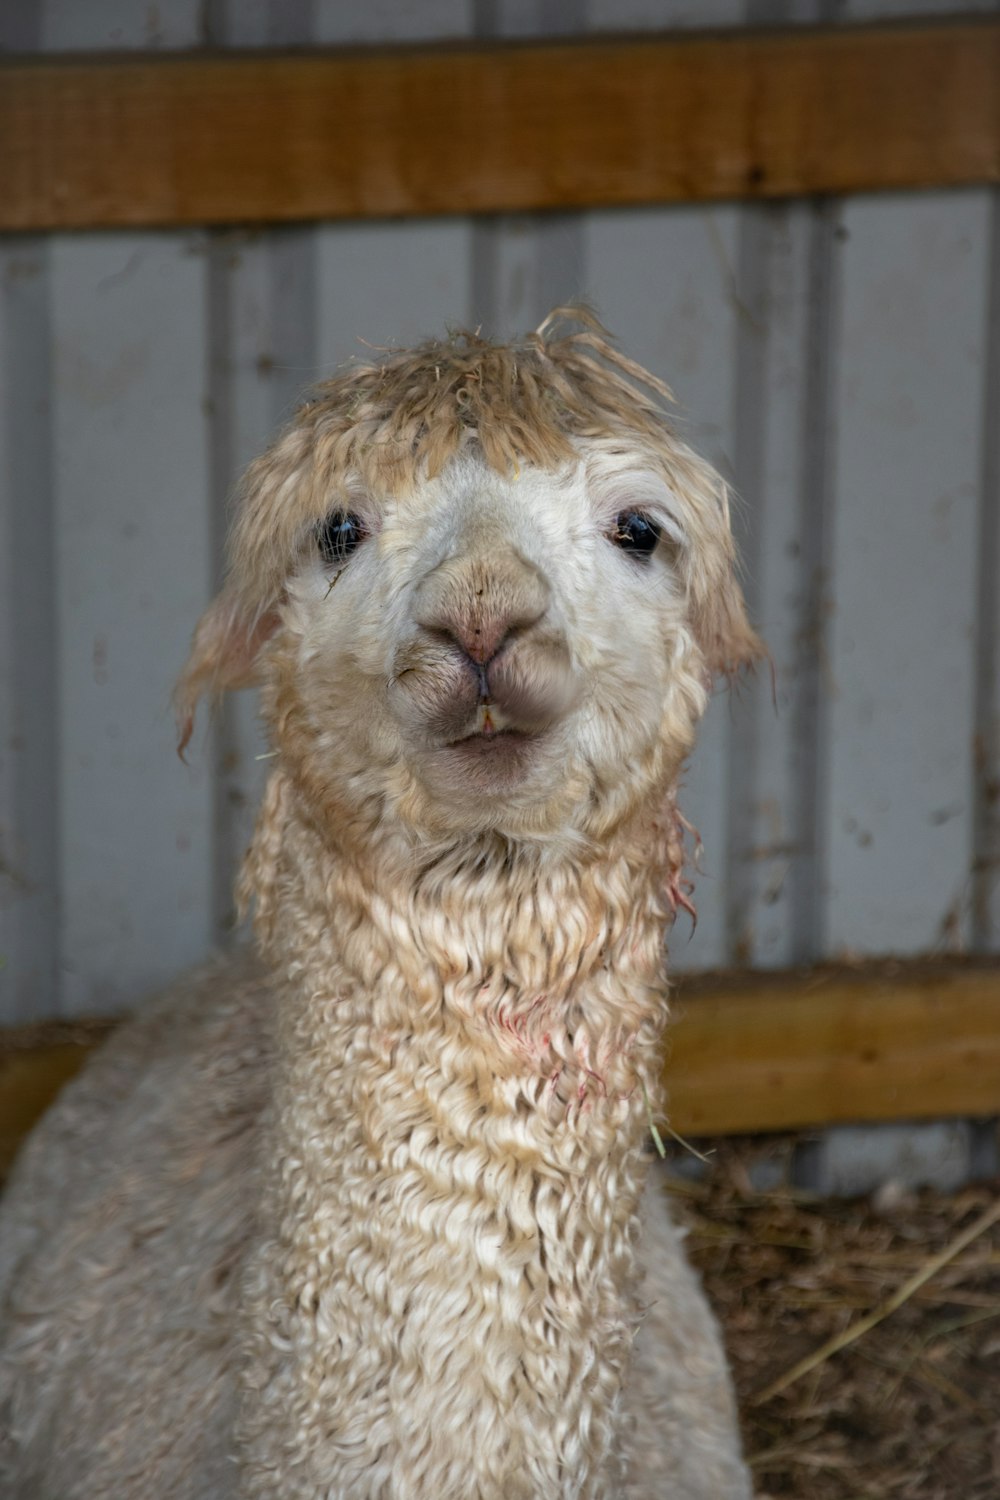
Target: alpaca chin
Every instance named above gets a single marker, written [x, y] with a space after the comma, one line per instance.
[489, 764]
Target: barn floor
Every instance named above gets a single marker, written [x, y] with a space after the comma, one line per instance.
[909, 1409]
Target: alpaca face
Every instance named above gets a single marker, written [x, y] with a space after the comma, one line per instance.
[495, 651]
[484, 587]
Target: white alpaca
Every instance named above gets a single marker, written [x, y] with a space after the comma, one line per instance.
[358, 1216]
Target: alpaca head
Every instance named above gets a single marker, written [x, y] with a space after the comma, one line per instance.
[484, 588]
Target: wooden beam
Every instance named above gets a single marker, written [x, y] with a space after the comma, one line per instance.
[35, 1063]
[782, 1052]
[764, 1053]
[210, 139]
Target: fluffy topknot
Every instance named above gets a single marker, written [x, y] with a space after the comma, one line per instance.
[522, 402]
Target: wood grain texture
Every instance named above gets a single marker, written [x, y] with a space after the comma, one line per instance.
[784, 1052]
[35, 1062]
[200, 139]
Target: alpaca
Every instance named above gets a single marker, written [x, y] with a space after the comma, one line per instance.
[357, 1214]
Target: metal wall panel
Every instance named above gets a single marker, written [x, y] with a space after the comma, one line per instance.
[840, 362]
[907, 465]
[29, 715]
[985, 924]
[132, 561]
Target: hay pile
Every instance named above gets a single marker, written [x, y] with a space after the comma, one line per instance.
[909, 1409]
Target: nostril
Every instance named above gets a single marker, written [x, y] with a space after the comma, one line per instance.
[480, 606]
[479, 641]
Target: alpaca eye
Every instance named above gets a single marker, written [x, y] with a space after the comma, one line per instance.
[636, 533]
[339, 535]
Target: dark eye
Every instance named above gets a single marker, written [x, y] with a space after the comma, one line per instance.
[339, 535]
[636, 533]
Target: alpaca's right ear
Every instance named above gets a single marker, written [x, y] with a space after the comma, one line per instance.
[224, 654]
[276, 503]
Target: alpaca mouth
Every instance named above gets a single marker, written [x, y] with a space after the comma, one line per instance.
[489, 737]
[489, 725]
[490, 758]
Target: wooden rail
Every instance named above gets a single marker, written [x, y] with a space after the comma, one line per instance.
[779, 1052]
[207, 138]
[35, 1063]
[774, 1052]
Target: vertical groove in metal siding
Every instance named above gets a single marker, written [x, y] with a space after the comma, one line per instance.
[749, 421]
[774, 344]
[985, 927]
[560, 260]
[766, 760]
[292, 281]
[484, 275]
[486, 18]
[222, 745]
[29, 839]
[810, 715]
[809, 710]
[29, 697]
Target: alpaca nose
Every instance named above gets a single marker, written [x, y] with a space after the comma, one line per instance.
[479, 604]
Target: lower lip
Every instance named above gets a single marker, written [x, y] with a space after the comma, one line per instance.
[490, 737]
[502, 752]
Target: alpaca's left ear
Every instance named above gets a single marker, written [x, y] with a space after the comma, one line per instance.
[225, 653]
[718, 616]
[716, 607]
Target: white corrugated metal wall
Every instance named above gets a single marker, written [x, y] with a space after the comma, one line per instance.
[840, 361]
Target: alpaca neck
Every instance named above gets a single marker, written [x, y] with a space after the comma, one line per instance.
[443, 1306]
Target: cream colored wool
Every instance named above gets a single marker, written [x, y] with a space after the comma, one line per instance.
[360, 1217]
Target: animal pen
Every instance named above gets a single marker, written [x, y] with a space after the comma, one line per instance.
[793, 220]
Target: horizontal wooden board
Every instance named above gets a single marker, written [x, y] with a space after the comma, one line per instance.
[35, 1062]
[209, 139]
[778, 1052]
[906, 1042]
